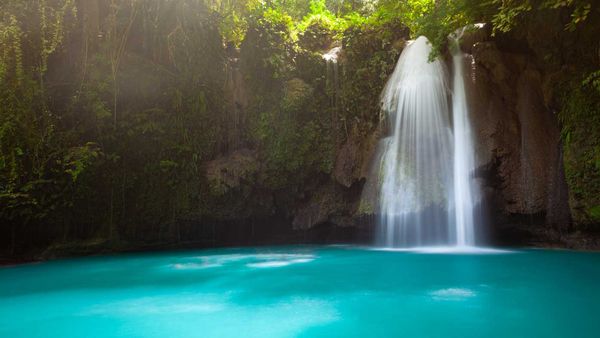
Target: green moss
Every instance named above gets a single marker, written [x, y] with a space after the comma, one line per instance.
[594, 213]
[580, 119]
[365, 208]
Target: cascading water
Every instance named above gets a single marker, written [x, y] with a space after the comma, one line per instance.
[332, 76]
[466, 194]
[416, 187]
[426, 194]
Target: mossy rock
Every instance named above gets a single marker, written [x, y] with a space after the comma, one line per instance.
[230, 172]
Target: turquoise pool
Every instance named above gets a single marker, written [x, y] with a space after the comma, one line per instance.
[306, 291]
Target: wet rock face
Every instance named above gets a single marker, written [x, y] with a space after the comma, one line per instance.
[337, 201]
[347, 163]
[479, 33]
[332, 203]
[354, 158]
[317, 209]
[517, 135]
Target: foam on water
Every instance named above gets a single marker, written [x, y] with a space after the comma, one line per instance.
[190, 266]
[259, 260]
[276, 264]
[452, 294]
[472, 250]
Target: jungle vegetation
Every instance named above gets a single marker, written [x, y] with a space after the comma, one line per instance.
[110, 110]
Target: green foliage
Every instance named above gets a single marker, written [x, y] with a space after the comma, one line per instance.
[32, 172]
[410, 12]
[268, 48]
[62, 159]
[508, 14]
[371, 54]
[438, 19]
[593, 80]
[234, 19]
[11, 59]
[77, 159]
[295, 138]
[52, 27]
[319, 15]
[594, 213]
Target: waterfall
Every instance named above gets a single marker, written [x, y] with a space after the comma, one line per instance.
[332, 84]
[332, 76]
[426, 194]
[465, 188]
[416, 187]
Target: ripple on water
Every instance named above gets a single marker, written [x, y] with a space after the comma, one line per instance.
[452, 294]
[271, 260]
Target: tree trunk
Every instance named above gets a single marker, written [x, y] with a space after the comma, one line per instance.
[12, 239]
[111, 223]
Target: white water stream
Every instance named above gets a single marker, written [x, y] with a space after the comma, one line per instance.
[427, 194]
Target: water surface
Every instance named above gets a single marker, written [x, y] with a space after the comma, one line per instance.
[306, 292]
